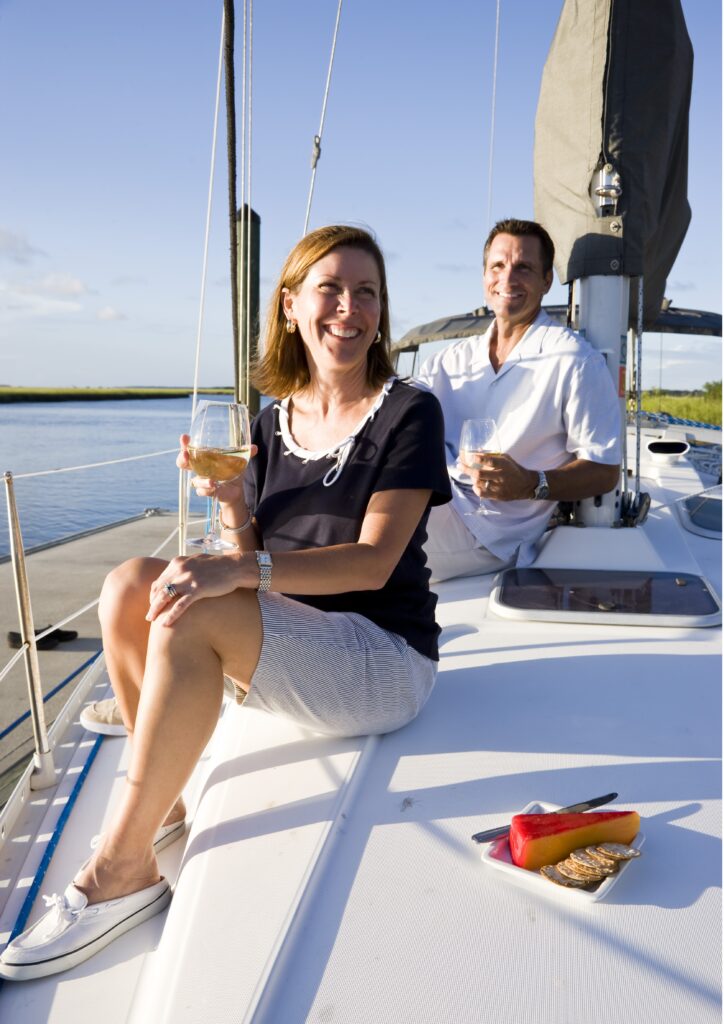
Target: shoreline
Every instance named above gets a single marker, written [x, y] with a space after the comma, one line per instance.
[689, 405]
[20, 394]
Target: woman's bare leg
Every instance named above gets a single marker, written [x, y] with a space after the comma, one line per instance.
[122, 612]
[177, 712]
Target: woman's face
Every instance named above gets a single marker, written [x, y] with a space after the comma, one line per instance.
[337, 309]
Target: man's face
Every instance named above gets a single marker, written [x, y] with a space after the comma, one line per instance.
[514, 279]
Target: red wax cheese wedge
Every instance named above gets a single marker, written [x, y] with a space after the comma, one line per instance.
[538, 839]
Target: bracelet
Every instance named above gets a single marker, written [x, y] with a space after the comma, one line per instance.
[265, 563]
[235, 529]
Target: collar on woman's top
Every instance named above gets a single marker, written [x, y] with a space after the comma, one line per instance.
[340, 452]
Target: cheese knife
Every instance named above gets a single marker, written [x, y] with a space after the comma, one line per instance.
[587, 805]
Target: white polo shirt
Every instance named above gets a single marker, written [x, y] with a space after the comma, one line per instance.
[553, 400]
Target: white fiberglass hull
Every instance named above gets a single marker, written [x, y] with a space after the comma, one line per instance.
[327, 880]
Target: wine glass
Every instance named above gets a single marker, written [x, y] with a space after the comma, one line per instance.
[219, 449]
[479, 437]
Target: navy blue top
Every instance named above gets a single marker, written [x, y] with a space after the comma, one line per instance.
[400, 447]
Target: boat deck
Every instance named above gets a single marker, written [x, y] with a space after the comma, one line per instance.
[328, 880]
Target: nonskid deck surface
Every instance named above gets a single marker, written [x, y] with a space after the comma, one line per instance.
[78, 994]
[328, 880]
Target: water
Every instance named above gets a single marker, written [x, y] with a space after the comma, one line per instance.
[48, 435]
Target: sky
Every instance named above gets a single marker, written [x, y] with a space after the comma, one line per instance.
[106, 123]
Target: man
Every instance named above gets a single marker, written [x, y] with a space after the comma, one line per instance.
[552, 399]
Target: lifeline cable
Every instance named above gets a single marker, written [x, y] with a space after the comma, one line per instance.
[51, 693]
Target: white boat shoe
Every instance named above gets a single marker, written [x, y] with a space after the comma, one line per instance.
[104, 717]
[166, 835]
[72, 931]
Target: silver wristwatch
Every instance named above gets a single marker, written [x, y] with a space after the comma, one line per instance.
[264, 561]
[542, 491]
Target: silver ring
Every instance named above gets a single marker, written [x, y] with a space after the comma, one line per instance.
[170, 589]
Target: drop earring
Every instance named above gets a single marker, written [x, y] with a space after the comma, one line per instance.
[291, 326]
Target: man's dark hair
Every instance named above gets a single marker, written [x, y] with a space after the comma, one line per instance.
[519, 228]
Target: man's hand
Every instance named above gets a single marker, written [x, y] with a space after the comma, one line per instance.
[501, 478]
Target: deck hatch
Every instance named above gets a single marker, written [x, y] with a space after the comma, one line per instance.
[606, 595]
[704, 512]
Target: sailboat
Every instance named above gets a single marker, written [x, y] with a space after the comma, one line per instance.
[328, 880]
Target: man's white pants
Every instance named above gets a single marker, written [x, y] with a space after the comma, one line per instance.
[453, 551]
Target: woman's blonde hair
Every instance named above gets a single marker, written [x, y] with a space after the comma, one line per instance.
[282, 367]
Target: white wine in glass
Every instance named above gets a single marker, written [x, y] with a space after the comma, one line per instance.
[479, 437]
[219, 449]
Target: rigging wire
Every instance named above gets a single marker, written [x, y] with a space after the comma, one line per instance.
[317, 144]
[207, 232]
[229, 27]
[184, 476]
[247, 206]
[639, 380]
[492, 115]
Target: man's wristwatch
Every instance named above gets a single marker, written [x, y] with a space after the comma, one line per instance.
[542, 491]
[264, 561]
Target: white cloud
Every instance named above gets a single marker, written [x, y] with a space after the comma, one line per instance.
[17, 248]
[55, 284]
[53, 295]
[18, 302]
[109, 313]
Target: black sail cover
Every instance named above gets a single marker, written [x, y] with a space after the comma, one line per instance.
[615, 90]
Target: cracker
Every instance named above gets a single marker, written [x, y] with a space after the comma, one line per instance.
[601, 858]
[619, 851]
[570, 869]
[586, 861]
[551, 872]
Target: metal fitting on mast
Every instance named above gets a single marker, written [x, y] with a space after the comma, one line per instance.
[605, 190]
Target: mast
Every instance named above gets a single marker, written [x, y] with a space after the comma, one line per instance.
[248, 233]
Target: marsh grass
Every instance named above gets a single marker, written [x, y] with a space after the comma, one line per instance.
[704, 406]
[11, 394]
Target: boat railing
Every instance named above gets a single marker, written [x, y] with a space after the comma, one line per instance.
[43, 774]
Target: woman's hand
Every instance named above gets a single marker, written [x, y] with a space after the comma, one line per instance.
[189, 579]
[228, 492]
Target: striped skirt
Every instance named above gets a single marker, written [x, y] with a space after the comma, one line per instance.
[336, 672]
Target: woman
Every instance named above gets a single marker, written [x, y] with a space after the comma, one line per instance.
[332, 512]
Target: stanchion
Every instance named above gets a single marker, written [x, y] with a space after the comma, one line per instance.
[44, 769]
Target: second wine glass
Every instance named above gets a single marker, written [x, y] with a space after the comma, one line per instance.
[219, 449]
[479, 437]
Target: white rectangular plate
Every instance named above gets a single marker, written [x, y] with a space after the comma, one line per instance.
[497, 855]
